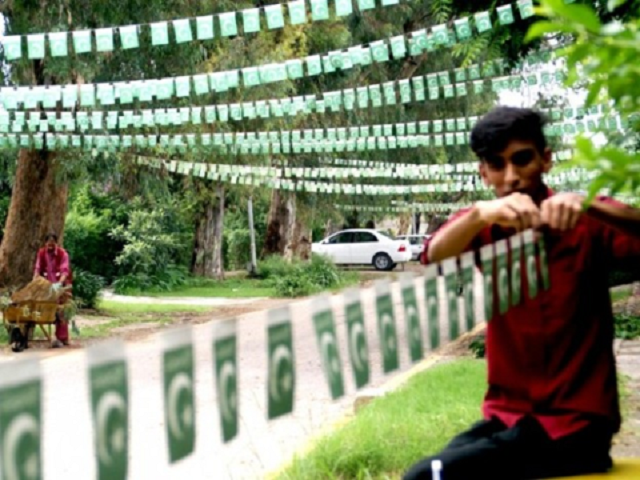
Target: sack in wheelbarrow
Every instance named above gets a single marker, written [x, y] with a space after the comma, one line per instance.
[37, 312]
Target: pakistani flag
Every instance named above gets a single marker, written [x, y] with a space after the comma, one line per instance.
[225, 356]
[281, 363]
[387, 327]
[357, 338]
[179, 405]
[21, 420]
[323, 321]
[109, 392]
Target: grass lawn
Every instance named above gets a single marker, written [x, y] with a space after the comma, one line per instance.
[236, 287]
[118, 308]
[390, 434]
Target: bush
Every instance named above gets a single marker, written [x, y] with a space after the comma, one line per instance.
[86, 288]
[627, 327]
[154, 250]
[478, 346]
[621, 276]
[298, 278]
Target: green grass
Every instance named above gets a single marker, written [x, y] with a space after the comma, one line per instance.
[118, 308]
[386, 437]
[101, 330]
[230, 288]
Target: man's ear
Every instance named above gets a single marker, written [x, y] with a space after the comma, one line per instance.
[547, 160]
[482, 170]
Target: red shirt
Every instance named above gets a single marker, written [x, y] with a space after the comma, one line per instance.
[551, 357]
[53, 265]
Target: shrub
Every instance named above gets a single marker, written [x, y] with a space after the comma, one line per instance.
[478, 346]
[299, 278]
[627, 327]
[86, 288]
[171, 277]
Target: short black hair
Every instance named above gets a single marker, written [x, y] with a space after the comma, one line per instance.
[496, 129]
[51, 236]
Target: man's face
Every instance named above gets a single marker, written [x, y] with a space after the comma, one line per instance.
[518, 168]
[51, 244]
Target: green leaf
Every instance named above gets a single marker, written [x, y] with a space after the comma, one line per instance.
[582, 14]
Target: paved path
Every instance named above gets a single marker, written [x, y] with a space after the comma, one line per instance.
[196, 301]
[261, 446]
[628, 359]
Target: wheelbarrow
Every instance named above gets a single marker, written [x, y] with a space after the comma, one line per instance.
[23, 318]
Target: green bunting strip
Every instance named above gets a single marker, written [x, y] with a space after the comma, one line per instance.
[487, 258]
[109, 399]
[436, 85]
[450, 271]
[413, 321]
[226, 24]
[371, 96]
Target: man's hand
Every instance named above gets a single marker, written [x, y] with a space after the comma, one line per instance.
[515, 211]
[562, 211]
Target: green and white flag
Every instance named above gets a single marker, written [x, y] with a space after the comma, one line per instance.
[228, 24]
[159, 33]
[357, 337]
[412, 317]
[178, 386]
[275, 18]
[450, 272]
[515, 243]
[281, 364]
[503, 276]
[327, 342]
[182, 29]
[225, 355]
[21, 420]
[109, 396]
[530, 259]
[58, 44]
[204, 27]
[297, 12]
[467, 263]
[487, 259]
[433, 304]
[387, 327]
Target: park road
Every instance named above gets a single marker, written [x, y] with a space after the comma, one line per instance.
[262, 446]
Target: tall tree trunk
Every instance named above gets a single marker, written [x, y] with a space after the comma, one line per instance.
[404, 224]
[206, 260]
[286, 235]
[38, 206]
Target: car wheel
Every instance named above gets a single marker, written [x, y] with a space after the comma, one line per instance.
[382, 262]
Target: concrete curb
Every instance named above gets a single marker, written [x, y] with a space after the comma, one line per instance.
[389, 386]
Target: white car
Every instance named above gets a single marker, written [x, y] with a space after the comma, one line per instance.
[416, 242]
[364, 247]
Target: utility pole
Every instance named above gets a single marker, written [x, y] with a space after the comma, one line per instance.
[252, 234]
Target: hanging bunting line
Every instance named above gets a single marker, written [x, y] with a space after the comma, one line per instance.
[219, 82]
[234, 175]
[207, 27]
[277, 142]
[348, 99]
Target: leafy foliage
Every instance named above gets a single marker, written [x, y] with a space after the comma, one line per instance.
[627, 326]
[605, 52]
[87, 288]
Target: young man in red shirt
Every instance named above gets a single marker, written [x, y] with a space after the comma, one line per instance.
[551, 407]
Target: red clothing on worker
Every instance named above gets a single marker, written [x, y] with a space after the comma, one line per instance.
[53, 265]
[551, 357]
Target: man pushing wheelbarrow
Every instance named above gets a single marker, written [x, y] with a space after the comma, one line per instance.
[52, 263]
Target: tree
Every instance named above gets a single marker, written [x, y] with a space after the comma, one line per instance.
[39, 196]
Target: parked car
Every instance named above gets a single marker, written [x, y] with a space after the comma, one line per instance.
[364, 247]
[417, 244]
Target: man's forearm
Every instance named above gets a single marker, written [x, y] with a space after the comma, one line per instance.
[627, 220]
[453, 239]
